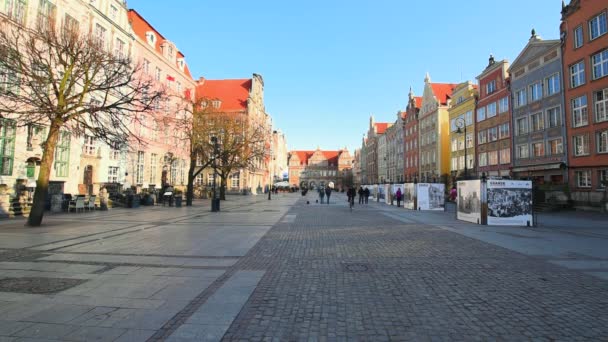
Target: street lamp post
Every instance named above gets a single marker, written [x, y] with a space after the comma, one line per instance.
[214, 201]
[461, 123]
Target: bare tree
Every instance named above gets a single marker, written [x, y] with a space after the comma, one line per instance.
[70, 81]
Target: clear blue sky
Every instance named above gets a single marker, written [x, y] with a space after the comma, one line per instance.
[329, 64]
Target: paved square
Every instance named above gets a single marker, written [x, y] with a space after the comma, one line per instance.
[285, 270]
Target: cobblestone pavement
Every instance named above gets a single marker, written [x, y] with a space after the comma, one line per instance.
[284, 270]
[336, 275]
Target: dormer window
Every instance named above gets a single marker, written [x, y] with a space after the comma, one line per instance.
[181, 63]
[151, 38]
[216, 104]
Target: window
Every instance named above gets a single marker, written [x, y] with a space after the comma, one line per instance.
[505, 156]
[521, 98]
[70, 25]
[115, 150]
[454, 145]
[555, 147]
[9, 81]
[470, 159]
[210, 177]
[468, 118]
[483, 159]
[100, 35]
[578, 37]
[503, 105]
[482, 137]
[234, 180]
[461, 162]
[493, 158]
[579, 111]
[453, 127]
[583, 179]
[157, 74]
[602, 142]
[46, 15]
[554, 117]
[599, 64]
[454, 163]
[481, 114]
[460, 144]
[7, 146]
[89, 146]
[491, 87]
[491, 110]
[522, 126]
[601, 105]
[581, 145]
[139, 172]
[35, 136]
[113, 174]
[577, 74]
[538, 149]
[503, 130]
[597, 26]
[602, 177]
[537, 122]
[119, 48]
[469, 140]
[523, 151]
[492, 134]
[16, 9]
[113, 12]
[536, 91]
[62, 154]
[552, 84]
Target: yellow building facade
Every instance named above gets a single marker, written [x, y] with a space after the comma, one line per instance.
[462, 130]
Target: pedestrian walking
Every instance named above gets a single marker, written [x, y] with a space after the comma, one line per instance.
[321, 194]
[366, 194]
[398, 197]
[360, 192]
[453, 194]
[328, 193]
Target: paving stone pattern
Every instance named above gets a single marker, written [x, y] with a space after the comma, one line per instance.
[337, 276]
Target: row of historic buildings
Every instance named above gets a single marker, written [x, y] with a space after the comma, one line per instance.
[542, 117]
[82, 164]
[313, 169]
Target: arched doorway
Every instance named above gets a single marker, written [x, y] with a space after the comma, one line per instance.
[88, 178]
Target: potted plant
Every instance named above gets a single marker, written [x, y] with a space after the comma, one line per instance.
[177, 195]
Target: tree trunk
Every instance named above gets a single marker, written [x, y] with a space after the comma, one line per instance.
[190, 187]
[42, 184]
[223, 189]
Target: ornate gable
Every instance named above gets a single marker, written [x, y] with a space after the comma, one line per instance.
[429, 101]
[317, 159]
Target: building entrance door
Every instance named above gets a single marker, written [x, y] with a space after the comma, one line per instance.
[88, 179]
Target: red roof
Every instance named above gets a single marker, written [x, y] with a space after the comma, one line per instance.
[443, 91]
[232, 93]
[141, 27]
[332, 156]
[381, 127]
[418, 100]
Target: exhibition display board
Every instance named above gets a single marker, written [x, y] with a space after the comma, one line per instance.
[388, 195]
[495, 202]
[409, 195]
[468, 206]
[430, 196]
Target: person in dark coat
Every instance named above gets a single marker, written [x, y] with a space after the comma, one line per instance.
[366, 194]
[398, 196]
[328, 193]
[360, 192]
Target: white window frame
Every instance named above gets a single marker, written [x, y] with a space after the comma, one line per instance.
[482, 137]
[483, 159]
[596, 23]
[580, 116]
[580, 145]
[599, 64]
[601, 105]
[505, 156]
[583, 179]
[540, 147]
[601, 142]
[491, 110]
[577, 74]
[537, 122]
[552, 84]
[491, 87]
[89, 147]
[493, 157]
[559, 147]
[481, 114]
[504, 133]
[139, 172]
[521, 97]
[526, 126]
[503, 105]
[536, 91]
[579, 39]
[493, 134]
[113, 172]
[554, 117]
[523, 151]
